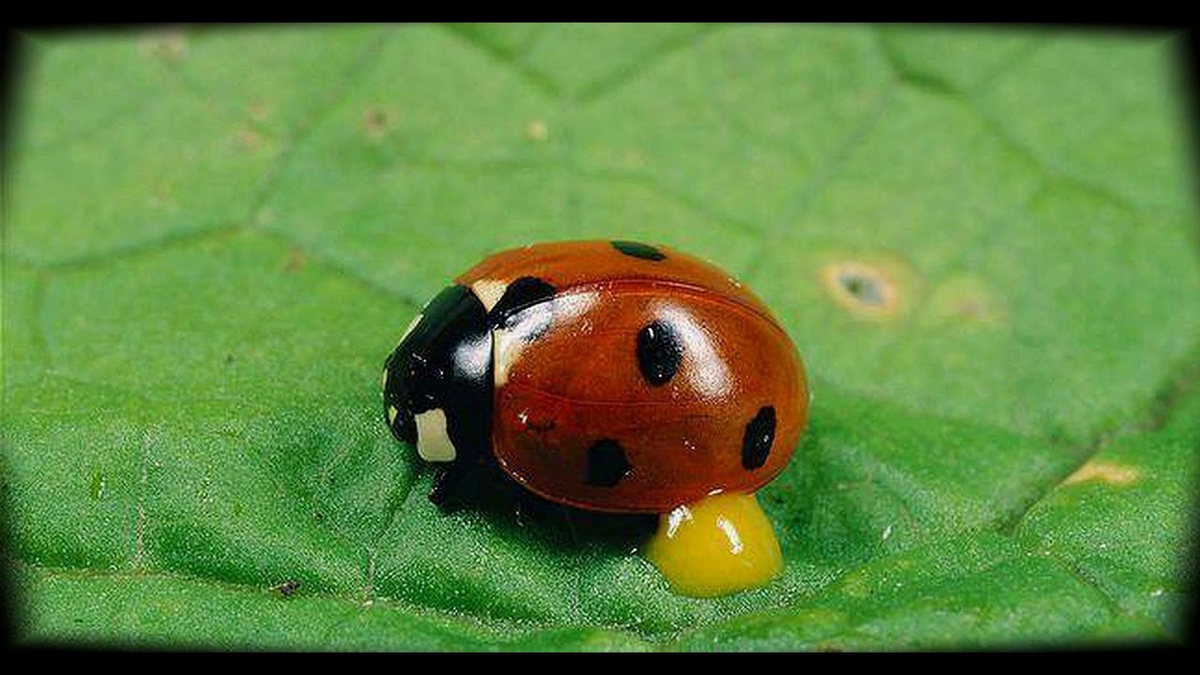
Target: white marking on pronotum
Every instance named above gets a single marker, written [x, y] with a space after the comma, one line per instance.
[392, 412]
[506, 349]
[489, 292]
[411, 325]
[433, 442]
[383, 379]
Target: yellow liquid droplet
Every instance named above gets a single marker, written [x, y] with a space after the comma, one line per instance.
[719, 545]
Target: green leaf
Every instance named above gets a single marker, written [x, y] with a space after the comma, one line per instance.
[982, 240]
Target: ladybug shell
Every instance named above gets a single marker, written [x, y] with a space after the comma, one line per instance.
[631, 378]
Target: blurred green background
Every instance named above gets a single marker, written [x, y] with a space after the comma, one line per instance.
[982, 240]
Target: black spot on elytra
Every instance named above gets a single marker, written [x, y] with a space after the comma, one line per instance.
[760, 434]
[520, 294]
[639, 250]
[606, 463]
[659, 352]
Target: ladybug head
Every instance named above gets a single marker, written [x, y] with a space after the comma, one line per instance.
[437, 384]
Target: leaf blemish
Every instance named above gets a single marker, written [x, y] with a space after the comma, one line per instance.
[537, 131]
[855, 584]
[258, 111]
[169, 45]
[376, 121]
[98, 485]
[861, 288]
[287, 588]
[1106, 472]
[967, 301]
[295, 262]
[249, 139]
[972, 307]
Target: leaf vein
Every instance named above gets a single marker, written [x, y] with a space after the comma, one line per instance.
[1111, 603]
[671, 194]
[508, 58]
[619, 77]
[1015, 60]
[1049, 166]
[350, 78]
[37, 320]
[821, 177]
[340, 268]
[139, 552]
[1156, 412]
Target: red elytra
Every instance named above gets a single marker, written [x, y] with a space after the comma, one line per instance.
[642, 379]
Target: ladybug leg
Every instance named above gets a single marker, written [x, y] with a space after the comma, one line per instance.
[524, 504]
[570, 525]
[528, 508]
[519, 515]
[445, 491]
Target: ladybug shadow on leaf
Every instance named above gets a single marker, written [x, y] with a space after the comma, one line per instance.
[486, 490]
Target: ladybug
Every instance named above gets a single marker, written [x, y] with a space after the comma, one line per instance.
[610, 376]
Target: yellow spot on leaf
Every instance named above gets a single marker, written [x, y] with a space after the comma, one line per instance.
[537, 131]
[1107, 472]
[855, 585]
